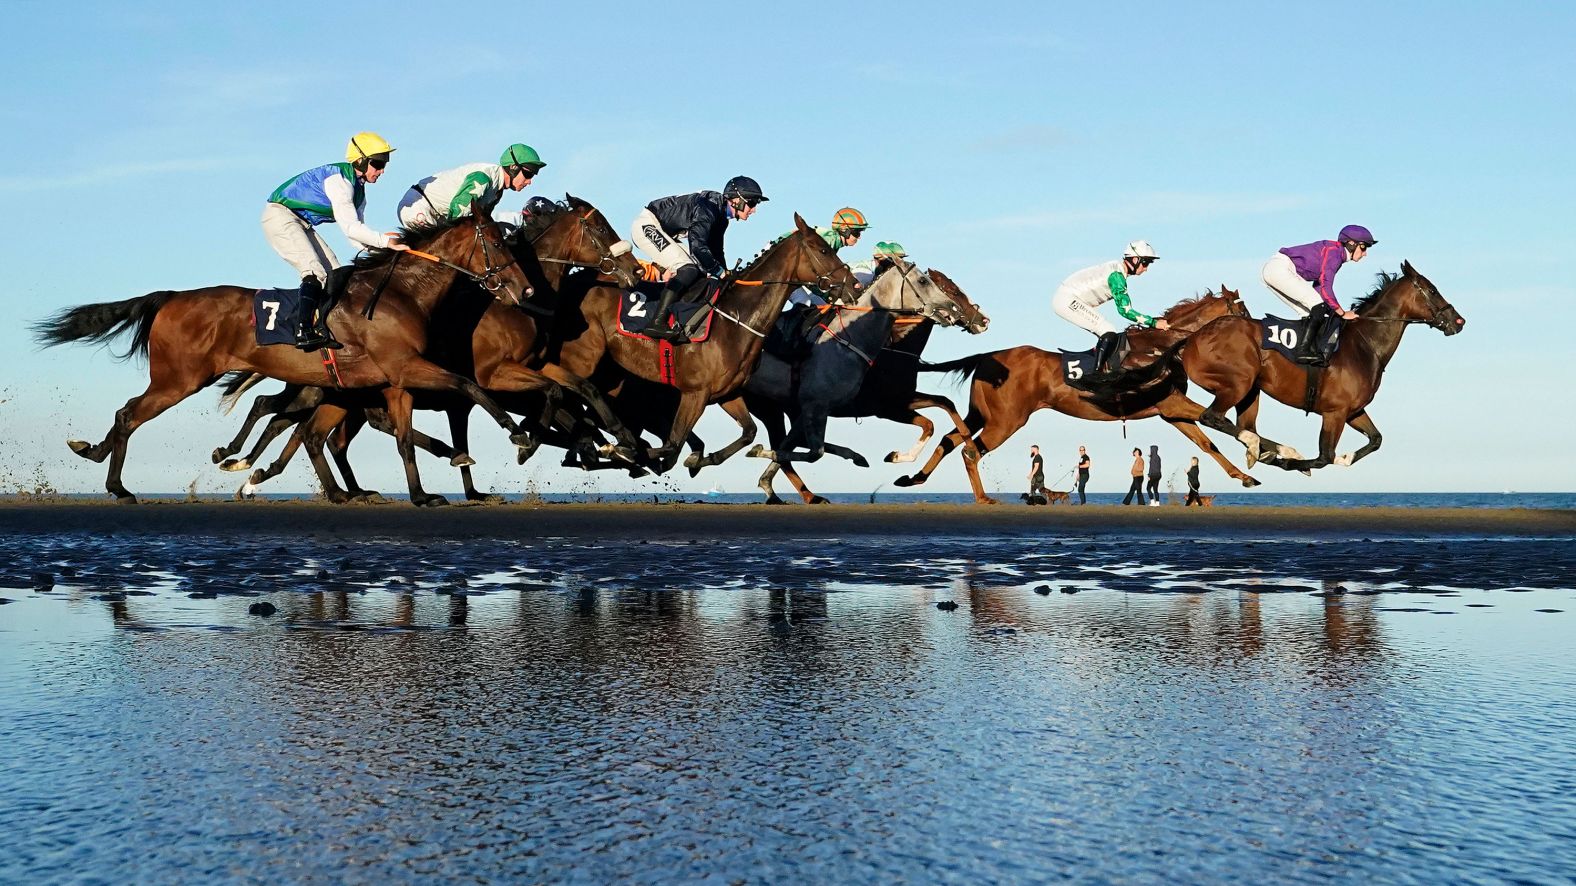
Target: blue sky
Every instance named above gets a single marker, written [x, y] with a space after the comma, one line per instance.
[1008, 147]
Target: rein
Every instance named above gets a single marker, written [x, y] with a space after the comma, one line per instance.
[487, 280]
[607, 262]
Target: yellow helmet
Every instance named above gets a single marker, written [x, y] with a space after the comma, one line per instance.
[364, 145]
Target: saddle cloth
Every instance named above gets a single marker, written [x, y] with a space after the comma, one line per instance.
[275, 315]
[1286, 336]
[639, 303]
[1079, 366]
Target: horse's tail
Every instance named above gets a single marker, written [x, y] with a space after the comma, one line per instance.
[960, 367]
[1132, 381]
[104, 321]
[233, 385]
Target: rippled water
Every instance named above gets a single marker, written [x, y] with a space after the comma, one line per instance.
[1131, 708]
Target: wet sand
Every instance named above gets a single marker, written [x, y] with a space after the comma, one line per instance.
[719, 521]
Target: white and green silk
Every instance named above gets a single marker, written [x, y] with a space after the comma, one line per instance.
[449, 194]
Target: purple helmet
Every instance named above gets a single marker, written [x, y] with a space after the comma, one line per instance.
[1357, 234]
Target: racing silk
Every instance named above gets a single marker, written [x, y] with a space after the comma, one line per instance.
[330, 193]
[702, 219]
[449, 194]
[306, 196]
[1104, 282]
[1317, 263]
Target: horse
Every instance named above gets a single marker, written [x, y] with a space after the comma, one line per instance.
[1008, 386]
[713, 370]
[494, 344]
[191, 338]
[839, 365]
[1226, 358]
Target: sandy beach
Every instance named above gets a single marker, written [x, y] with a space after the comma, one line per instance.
[626, 520]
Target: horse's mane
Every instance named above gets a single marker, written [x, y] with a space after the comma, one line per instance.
[415, 236]
[537, 223]
[1382, 281]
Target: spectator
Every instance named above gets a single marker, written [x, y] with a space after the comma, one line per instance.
[1192, 484]
[1083, 474]
[1137, 472]
[1154, 476]
[1036, 472]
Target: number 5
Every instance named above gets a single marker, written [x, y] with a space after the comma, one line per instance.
[1075, 369]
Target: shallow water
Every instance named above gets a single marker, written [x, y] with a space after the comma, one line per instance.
[1133, 708]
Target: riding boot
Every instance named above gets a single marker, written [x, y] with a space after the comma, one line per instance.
[657, 326]
[308, 335]
[1308, 350]
[337, 278]
[1103, 350]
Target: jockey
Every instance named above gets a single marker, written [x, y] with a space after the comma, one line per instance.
[848, 225]
[885, 256]
[1304, 277]
[449, 194]
[1078, 296]
[684, 235]
[332, 193]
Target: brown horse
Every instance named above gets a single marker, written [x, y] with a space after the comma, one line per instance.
[1226, 359]
[494, 344]
[1010, 385]
[717, 368]
[191, 338]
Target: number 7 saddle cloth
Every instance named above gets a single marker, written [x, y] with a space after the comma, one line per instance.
[275, 315]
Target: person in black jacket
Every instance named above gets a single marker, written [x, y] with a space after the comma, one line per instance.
[1192, 485]
[683, 235]
[1154, 476]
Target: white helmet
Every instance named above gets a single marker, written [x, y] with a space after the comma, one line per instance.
[1140, 249]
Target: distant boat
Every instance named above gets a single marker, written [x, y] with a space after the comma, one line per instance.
[716, 489]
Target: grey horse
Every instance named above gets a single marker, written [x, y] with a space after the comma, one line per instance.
[850, 338]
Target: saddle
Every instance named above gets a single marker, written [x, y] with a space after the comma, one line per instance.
[793, 336]
[1080, 368]
[693, 311]
[1291, 338]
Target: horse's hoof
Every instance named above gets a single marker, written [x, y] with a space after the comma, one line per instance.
[860, 461]
[1249, 482]
[461, 460]
[371, 497]
[1344, 460]
[219, 454]
[986, 500]
[818, 500]
[774, 500]
[485, 499]
[693, 463]
[84, 449]
[1306, 472]
[234, 464]
[756, 451]
[905, 481]
[430, 501]
[1252, 458]
[125, 498]
[892, 457]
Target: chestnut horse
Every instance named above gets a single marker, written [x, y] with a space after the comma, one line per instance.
[1011, 385]
[716, 369]
[494, 344]
[191, 338]
[1226, 359]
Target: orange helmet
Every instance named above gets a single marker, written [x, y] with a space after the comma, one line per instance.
[849, 217]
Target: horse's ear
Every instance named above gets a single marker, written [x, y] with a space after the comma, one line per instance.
[571, 199]
[799, 222]
[1406, 268]
[484, 208]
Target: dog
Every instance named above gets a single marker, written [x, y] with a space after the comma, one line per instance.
[1050, 497]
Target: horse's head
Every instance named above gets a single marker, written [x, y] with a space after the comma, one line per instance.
[1191, 314]
[1430, 306]
[580, 236]
[809, 261]
[969, 316]
[1411, 297]
[474, 246]
[903, 287]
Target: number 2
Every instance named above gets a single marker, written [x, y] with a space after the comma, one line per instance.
[637, 307]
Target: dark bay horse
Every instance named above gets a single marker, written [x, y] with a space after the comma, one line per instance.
[498, 346]
[1226, 359]
[713, 370]
[1008, 386]
[192, 338]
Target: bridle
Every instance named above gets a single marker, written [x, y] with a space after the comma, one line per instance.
[607, 261]
[488, 279]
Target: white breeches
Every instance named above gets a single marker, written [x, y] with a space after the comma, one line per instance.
[297, 242]
[1071, 308]
[1281, 276]
[667, 251]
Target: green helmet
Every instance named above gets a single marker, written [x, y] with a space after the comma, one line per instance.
[893, 249]
[521, 155]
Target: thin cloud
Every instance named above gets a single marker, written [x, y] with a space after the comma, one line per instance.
[1163, 207]
[97, 176]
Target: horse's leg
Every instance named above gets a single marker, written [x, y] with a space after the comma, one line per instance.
[691, 404]
[460, 433]
[593, 398]
[419, 373]
[773, 420]
[1362, 424]
[263, 475]
[276, 426]
[399, 405]
[265, 404]
[844, 452]
[740, 413]
[328, 423]
[1329, 435]
[166, 387]
[766, 483]
[909, 417]
[339, 447]
[810, 498]
[1193, 432]
[922, 400]
[1187, 415]
[996, 431]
